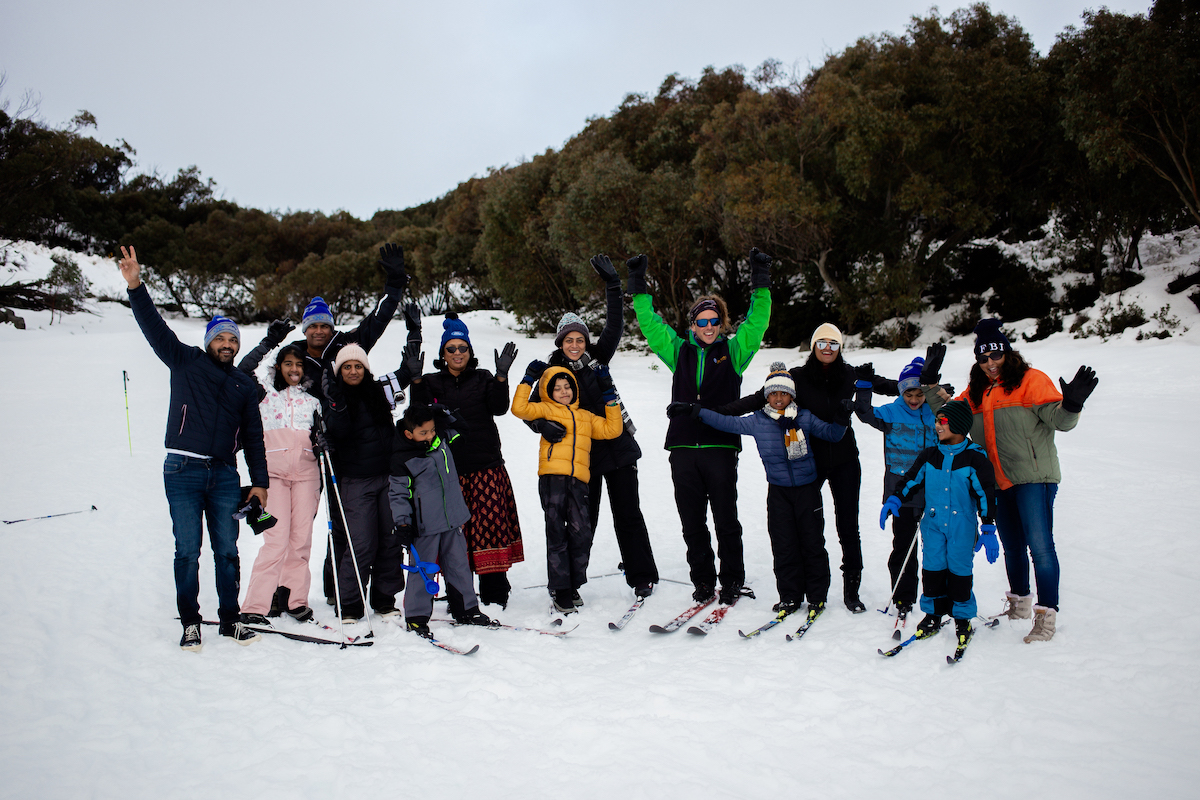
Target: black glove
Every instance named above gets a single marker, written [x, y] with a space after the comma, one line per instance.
[760, 269]
[534, 371]
[414, 360]
[604, 382]
[865, 373]
[332, 388]
[932, 371]
[605, 269]
[278, 330]
[949, 387]
[317, 436]
[405, 534]
[391, 258]
[553, 432]
[504, 360]
[678, 409]
[412, 317]
[637, 274]
[1076, 393]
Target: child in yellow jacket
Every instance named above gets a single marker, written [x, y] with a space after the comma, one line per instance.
[564, 469]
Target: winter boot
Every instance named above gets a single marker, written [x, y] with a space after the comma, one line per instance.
[255, 619]
[239, 633]
[643, 590]
[301, 614]
[704, 591]
[279, 601]
[1016, 606]
[352, 612]
[576, 599]
[563, 601]
[494, 589]
[191, 638]
[1043, 625]
[419, 626]
[928, 626]
[902, 612]
[851, 583]
[963, 630]
[814, 610]
[788, 606]
[729, 594]
[473, 616]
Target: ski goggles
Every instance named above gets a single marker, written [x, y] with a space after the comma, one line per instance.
[457, 348]
[825, 344]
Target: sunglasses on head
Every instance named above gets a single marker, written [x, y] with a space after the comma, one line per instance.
[993, 356]
[704, 323]
[825, 344]
[457, 348]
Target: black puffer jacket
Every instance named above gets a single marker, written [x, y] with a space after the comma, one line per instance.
[362, 434]
[476, 398]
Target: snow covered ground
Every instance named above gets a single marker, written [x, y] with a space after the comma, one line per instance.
[98, 700]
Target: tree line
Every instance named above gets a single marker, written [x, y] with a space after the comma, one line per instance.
[884, 181]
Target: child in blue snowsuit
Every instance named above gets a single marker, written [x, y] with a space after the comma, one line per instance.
[907, 425]
[795, 519]
[959, 483]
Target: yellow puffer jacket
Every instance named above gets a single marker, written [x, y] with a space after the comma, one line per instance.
[573, 455]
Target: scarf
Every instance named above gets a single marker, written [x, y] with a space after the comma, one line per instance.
[793, 437]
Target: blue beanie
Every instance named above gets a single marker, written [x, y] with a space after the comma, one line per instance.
[314, 312]
[454, 328]
[989, 338]
[910, 376]
[220, 325]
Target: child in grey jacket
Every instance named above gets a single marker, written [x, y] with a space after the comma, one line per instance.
[429, 511]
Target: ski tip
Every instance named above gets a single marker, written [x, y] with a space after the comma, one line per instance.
[658, 629]
[557, 621]
[472, 650]
[991, 624]
[697, 631]
[896, 635]
[612, 626]
[744, 636]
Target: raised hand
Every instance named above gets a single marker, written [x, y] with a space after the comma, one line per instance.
[637, 274]
[391, 258]
[504, 360]
[931, 372]
[131, 270]
[605, 269]
[414, 360]
[278, 330]
[760, 269]
[534, 371]
[864, 375]
[1076, 393]
[412, 317]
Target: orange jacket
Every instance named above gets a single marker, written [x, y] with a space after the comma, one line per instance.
[573, 455]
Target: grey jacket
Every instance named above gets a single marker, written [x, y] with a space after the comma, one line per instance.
[423, 489]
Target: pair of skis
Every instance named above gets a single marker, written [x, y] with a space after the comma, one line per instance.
[708, 623]
[354, 641]
[960, 649]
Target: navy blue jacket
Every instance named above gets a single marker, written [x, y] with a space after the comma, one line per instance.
[214, 406]
[769, 434]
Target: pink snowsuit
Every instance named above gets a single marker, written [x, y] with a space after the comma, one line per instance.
[287, 417]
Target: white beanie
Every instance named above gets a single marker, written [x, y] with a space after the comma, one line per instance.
[350, 352]
[827, 331]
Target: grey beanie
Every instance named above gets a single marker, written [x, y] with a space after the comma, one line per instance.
[569, 323]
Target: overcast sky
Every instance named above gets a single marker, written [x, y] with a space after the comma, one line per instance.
[368, 105]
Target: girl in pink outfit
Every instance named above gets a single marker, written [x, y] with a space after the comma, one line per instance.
[287, 415]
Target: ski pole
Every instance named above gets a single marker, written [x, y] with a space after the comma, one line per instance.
[337, 590]
[900, 575]
[349, 544]
[431, 585]
[128, 430]
[48, 516]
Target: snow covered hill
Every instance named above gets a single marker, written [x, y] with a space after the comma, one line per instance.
[98, 700]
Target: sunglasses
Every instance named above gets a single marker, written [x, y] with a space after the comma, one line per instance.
[704, 323]
[457, 348]
[825, 344]
[943, 421]
[996, 356]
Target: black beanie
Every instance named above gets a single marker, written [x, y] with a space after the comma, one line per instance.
[959, 415]
[990, 339]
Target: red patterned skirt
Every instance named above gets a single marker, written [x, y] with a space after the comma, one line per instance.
[494, 532]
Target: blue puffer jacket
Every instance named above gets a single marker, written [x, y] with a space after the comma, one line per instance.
[905, 434]
[214, 406]
[959, 484]
[769, 435]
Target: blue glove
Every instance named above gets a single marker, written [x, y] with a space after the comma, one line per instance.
[988, 542]
[891, 507]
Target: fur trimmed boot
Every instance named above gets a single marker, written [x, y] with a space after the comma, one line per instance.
[1017, 607]
[1043, 625]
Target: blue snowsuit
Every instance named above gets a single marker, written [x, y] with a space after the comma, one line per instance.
[959, 483]
[795, 517]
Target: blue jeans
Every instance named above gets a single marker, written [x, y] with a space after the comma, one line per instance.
[197, 487]
[1025, 522]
